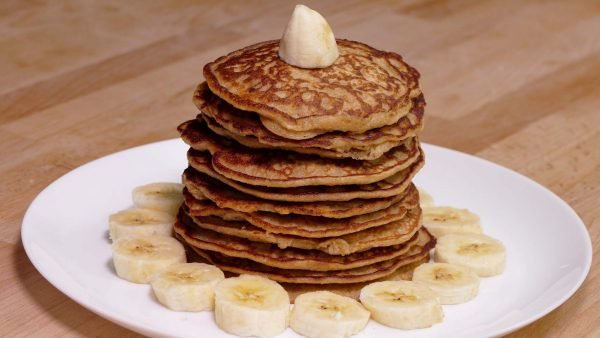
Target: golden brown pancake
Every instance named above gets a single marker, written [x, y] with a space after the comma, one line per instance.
[393, 185]
[417, 252]
[246, 128]
[352, 290]
[393, 233]
[289, 258]
[281, 169]
[202, 186]
[364, 89]
[368, 153]
[303, 225]
[246, 123]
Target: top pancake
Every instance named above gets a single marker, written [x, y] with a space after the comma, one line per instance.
[364, 89]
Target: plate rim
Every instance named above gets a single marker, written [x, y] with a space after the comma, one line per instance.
[51, 275]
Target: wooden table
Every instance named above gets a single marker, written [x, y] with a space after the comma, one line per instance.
[514, 82]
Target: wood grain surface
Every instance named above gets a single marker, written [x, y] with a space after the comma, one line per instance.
[515, 82]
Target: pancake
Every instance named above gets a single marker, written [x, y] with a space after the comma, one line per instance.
[202, 186]
[393, 233]
[247, 130]
[289, 258]
[281, 169]
[302, 225]
[247, 124]
[352, 290]
[369, 153]
[207, 208]
[416, 253]
[393, 185]
[279, 130]
[364, 89]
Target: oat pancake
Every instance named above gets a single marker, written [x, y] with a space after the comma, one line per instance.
[289, 258]
[277, 129]
[303, 225]
[393, 185]
[281, 169]
[207, 208]
[247, 129]
[364, 89]
[247, 123]
[202, 186]
[393, 233]
[368, 153]
[417, 252]
[352, 290]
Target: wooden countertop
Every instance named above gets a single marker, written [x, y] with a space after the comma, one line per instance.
[510, 81]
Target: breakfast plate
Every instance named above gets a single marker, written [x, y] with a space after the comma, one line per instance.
[548, 248]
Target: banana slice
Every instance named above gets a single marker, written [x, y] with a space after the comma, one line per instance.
[454, 284]
[251, 306]
[402, 304]
[187, 286]
[160, 196]
[425, 200]
[139, 259]
[485, 255]
[139, 222]
[441, 221]
[324, 314]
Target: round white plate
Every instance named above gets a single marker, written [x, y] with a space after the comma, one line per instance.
[548, 248]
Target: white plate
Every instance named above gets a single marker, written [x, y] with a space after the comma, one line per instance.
[548, 248]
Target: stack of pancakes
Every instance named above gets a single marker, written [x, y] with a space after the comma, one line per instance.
[304, 175]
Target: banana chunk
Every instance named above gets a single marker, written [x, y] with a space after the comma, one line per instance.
[454, 284]
[485, 255]
[308, 41]
[425, 199]
[402, 304]
[323, 314]
[187, 286]
[139, 259]
[162, 196]
[140, 222]
[442, 221]
[251, 306]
